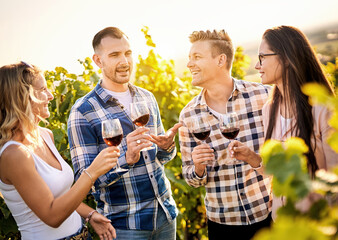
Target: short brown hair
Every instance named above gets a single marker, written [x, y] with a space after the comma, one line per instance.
[113, 32]
[219, 40]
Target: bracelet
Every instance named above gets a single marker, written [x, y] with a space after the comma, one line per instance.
[90, 216]
[171, 147]
[90, 176]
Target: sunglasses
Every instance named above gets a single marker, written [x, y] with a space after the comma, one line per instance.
[262, 55]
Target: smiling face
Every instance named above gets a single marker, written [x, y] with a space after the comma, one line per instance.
[271, 68]
[42, 98]
[114, 57]
[202, 65]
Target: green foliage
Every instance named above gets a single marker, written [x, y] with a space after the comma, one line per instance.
[292, 229]
[288, 168]
[8, 227]
[240, 64]
[331, 70]
[286, 162]
[66, 88]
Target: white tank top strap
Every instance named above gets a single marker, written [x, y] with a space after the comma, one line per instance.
[11, 142]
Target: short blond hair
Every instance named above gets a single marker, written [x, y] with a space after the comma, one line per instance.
[219, 40]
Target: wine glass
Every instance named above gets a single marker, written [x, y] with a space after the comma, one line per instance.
[200, 128]
[112, 135]
[229, 126]
[140, 115]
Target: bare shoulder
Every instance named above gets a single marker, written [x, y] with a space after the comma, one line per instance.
[16, 155]
[16, 161]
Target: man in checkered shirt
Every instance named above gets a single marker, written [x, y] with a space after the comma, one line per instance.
[238, 195]
[138, 200]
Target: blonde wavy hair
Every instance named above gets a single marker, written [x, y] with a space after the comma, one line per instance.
[16, 96]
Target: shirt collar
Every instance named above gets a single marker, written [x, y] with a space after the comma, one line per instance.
[238, 87]
[105, 96]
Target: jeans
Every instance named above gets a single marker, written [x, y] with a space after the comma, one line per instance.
[165, 230]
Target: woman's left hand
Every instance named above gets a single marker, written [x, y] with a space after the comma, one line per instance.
[102, 226]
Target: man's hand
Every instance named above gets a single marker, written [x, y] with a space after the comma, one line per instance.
[200, 156]
[136, 141]
[164, 141]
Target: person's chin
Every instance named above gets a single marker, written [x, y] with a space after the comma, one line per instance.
[123, 79]
[195, 81]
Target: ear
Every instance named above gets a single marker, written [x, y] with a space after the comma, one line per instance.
[222, 60]
[97, 60]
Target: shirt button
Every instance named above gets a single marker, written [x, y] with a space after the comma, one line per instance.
[151, 176]
[210, 113]
[122, 106]
[146, 157]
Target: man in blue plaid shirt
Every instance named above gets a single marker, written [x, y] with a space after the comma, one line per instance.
[137, 200]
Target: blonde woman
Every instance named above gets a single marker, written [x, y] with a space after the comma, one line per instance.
[35, 181]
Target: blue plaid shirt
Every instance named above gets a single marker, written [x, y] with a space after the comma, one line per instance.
[129, 199]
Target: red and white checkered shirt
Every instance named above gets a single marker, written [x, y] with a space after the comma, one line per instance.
[235, 194]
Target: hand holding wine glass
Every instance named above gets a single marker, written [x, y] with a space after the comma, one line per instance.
[200, 128]
[140, 115]
[112, 135]
[229, 126]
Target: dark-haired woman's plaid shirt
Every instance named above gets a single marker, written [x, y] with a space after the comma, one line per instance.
[235, 194]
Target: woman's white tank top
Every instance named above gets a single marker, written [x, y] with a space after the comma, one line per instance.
[59, 182]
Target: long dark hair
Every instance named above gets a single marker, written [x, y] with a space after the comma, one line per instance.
[299, 66]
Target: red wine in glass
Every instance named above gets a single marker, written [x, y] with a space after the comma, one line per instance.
[112, 134]
[200, 128]
[113, 141]
[230, 133]
[202, 135]
[140, 115]
[229, 126]
[142, 120]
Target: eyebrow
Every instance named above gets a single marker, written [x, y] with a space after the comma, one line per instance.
[116, 52]
[119, 52]
[194, 54]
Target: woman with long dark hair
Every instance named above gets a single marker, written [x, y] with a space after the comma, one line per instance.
[287, 60]
[35, 181]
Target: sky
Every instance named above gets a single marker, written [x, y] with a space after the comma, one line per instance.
[51, 33]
